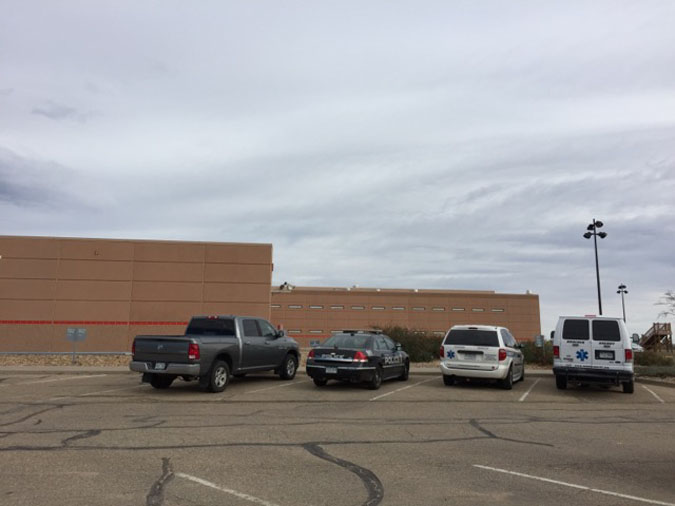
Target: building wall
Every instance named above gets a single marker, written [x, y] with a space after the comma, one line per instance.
[312, 313]
[119, 288]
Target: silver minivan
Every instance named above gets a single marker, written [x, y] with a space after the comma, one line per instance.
[592, 349]
[481, 351]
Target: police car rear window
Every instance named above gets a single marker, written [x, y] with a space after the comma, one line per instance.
[211, 327]
[472, 337]
[348, 341]
[575, 329]
[606, 330]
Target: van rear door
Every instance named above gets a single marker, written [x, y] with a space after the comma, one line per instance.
[607, 344]
[575, 344]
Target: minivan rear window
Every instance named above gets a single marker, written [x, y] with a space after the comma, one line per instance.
[606, 330]
[211, 327]
[575, 329]
[472, 337]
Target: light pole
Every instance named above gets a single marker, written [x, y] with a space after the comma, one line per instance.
[622, 290]
[592, 231]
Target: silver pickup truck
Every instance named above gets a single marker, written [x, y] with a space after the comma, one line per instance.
[213, 349]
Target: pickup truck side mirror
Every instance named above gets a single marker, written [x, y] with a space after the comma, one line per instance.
[280, 333]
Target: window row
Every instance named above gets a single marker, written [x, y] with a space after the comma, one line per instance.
[382, 308]
[319, 331]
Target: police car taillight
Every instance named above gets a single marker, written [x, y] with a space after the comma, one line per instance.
[310, 354]
[502, 354]
[133, 348]
[628, 354]
[359, 356]
[556, 351]
[193, 351]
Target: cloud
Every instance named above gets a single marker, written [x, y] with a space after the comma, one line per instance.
[59, 112]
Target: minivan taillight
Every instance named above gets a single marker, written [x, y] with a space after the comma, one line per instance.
[628, 354]
[310, 354]
[556, 351]
[359, 356]
[441, 352]
[502, 354]
[193, 351]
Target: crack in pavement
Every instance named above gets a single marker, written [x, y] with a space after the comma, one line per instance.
[372, 483]
[84, 435]
[156, 495]
[28, 417]
[474, 423]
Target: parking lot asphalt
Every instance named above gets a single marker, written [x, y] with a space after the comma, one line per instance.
[100, 438]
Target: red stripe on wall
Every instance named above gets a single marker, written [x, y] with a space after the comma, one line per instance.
[83, 322]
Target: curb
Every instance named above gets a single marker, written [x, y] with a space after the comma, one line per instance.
[657, 383]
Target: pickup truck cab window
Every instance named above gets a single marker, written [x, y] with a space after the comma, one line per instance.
[211, 327]
[266, 329]
[251, 328]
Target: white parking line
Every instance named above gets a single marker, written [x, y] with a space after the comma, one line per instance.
[404, 388]
[522, 397]
[240, 495]
[654, 394]
[572, 485]
[79, 376]
[275, 386]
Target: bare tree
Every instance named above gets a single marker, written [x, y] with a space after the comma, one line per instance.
[667, 300]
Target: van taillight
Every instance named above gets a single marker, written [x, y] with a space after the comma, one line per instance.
[441, 352]
[628, 354]
[193, 351]
[556, 351]
[502, 354]
[310, 354]
[359, 356]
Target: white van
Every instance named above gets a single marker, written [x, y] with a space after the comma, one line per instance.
[592, 349]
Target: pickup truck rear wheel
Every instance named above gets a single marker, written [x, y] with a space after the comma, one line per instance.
[161, 381]
[288, 367]
[219, 376]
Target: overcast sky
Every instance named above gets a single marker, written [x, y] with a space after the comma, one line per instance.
[438, 144]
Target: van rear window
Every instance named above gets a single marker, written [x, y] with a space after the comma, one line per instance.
[606, 330]
[575, 329]
[211, 327]
[472, 337]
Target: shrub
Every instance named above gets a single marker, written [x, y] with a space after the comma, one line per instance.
[540, 356]
[653, 358]
[420, 347]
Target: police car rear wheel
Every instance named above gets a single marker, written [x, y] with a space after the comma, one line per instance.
[375, 383]
[406, 372]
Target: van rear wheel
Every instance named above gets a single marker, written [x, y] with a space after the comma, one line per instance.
[561, 382]
[628, 387]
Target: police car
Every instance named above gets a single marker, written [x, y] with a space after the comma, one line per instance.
[481, 351]
[358, 356]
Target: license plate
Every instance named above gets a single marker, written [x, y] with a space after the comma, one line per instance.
[160, 366]
[331, 370]
[470, 356]
[607, 355]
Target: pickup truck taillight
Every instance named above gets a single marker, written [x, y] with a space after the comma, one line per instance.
[502, 354]
[193, 351]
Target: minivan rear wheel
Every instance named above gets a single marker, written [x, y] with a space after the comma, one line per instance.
[507, 383]
[448, 380]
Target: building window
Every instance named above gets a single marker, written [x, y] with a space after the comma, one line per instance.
[294, 306]
[398, 308]
[315, 307]
[275, 306]
[337, 307]
[335, 331]
[294, 331]
[418, 309]
[478, 310]
[377, 308]
[358, 307]
[438, 309]
[419, 332]
[438, 332]
[316, 331]
[458, 309]
[497, 310]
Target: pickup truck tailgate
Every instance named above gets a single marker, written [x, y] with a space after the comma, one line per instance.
[161, 349]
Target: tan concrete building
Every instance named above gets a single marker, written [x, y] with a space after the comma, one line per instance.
[119, 288]
[313, 313]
